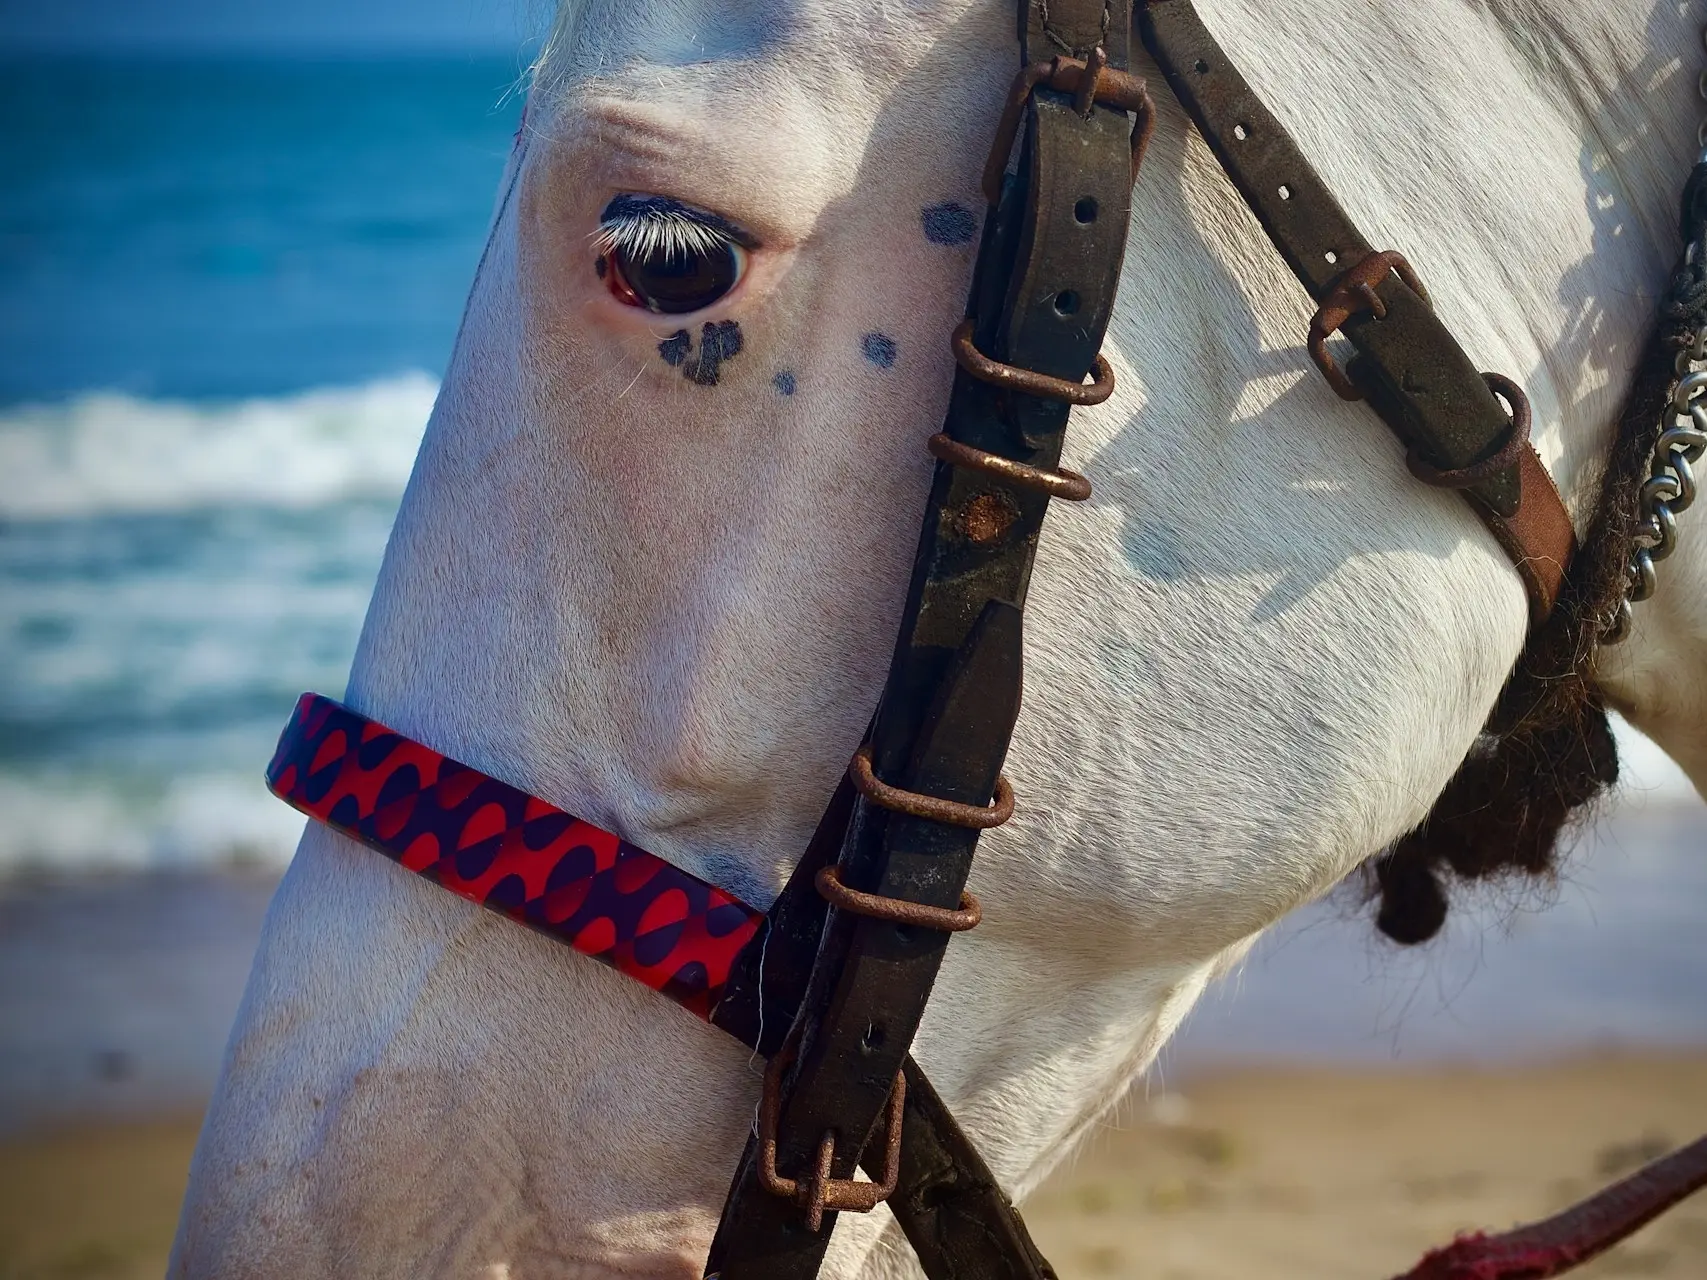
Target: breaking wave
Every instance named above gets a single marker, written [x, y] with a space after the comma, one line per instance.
[106, 453]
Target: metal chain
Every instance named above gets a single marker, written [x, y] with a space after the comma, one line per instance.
[1670, 486]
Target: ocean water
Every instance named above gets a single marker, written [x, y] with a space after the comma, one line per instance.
[227, 291]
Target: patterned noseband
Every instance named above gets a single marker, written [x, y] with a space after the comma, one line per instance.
[494, 844]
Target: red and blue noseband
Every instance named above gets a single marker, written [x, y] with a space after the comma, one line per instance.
[494, 844]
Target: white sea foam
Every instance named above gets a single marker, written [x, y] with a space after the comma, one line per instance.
[72, 825]
[105, 452]
[150, 683]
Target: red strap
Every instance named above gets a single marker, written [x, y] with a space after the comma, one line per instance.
[503, 848]
[1554, 1245]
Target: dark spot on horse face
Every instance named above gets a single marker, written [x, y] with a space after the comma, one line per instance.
[600, 266]
[718, 343]
[879, 348]
[784, 382]
[675, 348]
[949, 223]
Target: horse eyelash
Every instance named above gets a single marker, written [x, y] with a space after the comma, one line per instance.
[641, 226]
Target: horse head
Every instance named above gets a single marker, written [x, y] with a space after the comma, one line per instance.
[652, 557]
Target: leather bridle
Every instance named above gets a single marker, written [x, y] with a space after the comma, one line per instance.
[831, 983]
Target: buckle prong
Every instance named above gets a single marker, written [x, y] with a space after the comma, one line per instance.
[819, 1192]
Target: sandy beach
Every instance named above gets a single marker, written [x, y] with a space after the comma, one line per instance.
[1331, 1111]
[1279, 1173]
[1326, 1174]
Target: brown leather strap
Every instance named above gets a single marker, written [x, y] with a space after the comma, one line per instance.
[1043, 292]
[1538, 536]
[957, 1217]
[1409, 367]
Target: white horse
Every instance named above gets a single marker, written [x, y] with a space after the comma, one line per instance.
[666, 602]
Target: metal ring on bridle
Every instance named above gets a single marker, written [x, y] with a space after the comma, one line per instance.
[1517, 439]
[1354, 292]
[897, 910]
[1060, 483]
[931, 808]
[1032, 383]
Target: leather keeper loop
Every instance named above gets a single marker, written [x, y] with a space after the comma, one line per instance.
[897, 910]
[1091, 83]
[932, 808]
[1064, 484]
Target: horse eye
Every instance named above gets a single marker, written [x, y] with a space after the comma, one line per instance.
[673, 280]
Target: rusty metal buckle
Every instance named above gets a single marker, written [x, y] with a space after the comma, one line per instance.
[820, 1191]
[1012, 377]
[1354, 291]
[932, 808]
[897, 910]
[1092, 82]
[1060, 483]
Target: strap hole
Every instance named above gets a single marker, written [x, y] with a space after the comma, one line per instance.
[1331, 257]
[1240, 132]
[1066, 302]
[1085, 211]
[873, 1038]
[1201, 67]
[1285, 191]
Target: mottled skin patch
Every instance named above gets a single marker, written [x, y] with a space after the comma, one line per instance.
[784, 382]
[675, 348]
[880, 349]
[949, 223]
[717, 343]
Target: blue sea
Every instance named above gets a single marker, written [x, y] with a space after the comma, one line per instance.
[227, 291]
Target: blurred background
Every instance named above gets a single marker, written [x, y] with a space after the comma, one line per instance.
[234, 245]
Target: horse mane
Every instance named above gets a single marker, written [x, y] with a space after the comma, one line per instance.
[1547, 752]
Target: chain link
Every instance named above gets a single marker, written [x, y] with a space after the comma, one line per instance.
[1670, 487]
[1701, 87]
[1671, 484]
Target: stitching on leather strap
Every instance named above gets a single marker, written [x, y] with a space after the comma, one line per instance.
[1054, 36]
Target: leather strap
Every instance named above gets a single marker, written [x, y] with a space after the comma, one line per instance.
[1410, 368]
[1043, 291]
[960, 1222]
